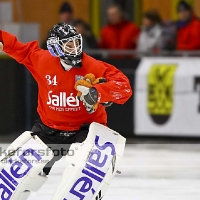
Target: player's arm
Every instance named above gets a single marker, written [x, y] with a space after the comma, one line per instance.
[22, 53]
[116, 89]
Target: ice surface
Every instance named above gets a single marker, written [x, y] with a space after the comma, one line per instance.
[149, 172]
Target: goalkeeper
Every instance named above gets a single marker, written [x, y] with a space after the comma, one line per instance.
[74, 88]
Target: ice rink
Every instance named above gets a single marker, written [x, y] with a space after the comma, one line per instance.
[149, 172]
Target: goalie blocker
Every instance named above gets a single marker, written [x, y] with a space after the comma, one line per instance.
[86, 177]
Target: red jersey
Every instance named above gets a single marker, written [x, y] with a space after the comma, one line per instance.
[58, 106]
[188, 36]
[120, 36]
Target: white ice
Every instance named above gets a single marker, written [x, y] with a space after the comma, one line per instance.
[149, 172]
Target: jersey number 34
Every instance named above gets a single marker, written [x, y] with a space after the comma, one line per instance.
[51, 81]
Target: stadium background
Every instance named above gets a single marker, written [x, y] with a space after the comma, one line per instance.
[154, 166]
[19, 91]
[46, 12]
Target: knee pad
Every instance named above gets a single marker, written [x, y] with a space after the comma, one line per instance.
[21, 166]
[93, 166]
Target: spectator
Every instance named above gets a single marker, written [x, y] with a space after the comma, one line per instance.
[150, 36]
[169, 32]
[119, 33]
[89, 41]
[65, 15]
[188, 28]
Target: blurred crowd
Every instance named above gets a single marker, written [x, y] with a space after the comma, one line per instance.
[153, 36]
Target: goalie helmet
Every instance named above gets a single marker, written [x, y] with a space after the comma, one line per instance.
[66, 43]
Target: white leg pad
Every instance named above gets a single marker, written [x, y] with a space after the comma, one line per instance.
[37, 183]
[24, 195]
[20, 167]
[93, 166]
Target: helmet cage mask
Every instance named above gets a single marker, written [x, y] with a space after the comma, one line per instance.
[60, 48]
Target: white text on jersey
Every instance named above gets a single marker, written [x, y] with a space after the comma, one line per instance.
[62, 100]
[52, 81]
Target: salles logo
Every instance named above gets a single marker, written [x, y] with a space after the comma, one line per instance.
[94, 171]
[15, 171]
[63, 102]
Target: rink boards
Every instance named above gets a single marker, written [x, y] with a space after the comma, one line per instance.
[167, 97]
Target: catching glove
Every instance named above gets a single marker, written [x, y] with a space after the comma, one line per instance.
[87, 93]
